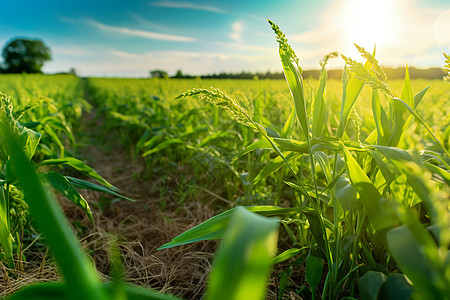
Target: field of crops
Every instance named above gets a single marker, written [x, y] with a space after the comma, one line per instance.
[319, 189]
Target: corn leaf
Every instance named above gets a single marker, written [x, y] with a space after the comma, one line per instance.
[6, 238]
[79, 166]
[27, 139]
[369, 195]
[314, 270]
[273, 166]
[381, 119]
[285, 255]
[320, 114]
[164, 145]
[214, 228]
[418, 97]
[289, 125]
[58, 123]
[418, 181]
[408, 254]
[294, 78]
[55, 138]
[62, 185]
[443, 174]
[396, 287]
[399, 113]
[369, 284]
[82, 184]
[251, 241]
[409, 109]
[345, 193]
[260, 144]
[81, 277]
[351, 88]
[291, 145]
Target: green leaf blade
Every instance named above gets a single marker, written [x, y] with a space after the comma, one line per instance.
[62, 185]
[251, 241]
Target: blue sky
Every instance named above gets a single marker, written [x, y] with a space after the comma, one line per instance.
[129, 38]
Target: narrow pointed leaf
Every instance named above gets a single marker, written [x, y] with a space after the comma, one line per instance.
[82, 279]
[418, 97]
[369, 195]
[273, 166]
[214, 227]
[79, 166]
[285, 255]
[83, 184]
[351, 89]
[251, 241]
[320, 114]
[62, 185]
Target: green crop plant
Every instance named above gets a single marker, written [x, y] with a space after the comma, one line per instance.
[367, 205]
[170, 135]
[248, 238]
[51, 107]
[447, 67]
[14, 216]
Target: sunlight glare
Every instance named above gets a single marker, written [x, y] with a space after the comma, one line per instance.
[442, 31]
[368, 23]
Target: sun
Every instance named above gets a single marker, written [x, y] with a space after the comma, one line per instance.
[367, 22]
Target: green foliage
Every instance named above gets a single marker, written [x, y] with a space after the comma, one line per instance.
[24, 55]
[15, 220]
[365, 185]
[447, 67]
[249, 239]
[81, 276]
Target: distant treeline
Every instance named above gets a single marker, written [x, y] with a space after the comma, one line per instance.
[392, 73]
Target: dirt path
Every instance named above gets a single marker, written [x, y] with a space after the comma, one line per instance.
[140, 227]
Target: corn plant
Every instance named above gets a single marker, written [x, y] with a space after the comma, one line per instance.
[447, 67]
[51, 107]
[361, 201]
[14, 217]
[249, 239]
[168, 134]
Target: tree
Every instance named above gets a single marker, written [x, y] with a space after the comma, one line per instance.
[179, 74]
[158, 74]
[73, 71]
[24, 55]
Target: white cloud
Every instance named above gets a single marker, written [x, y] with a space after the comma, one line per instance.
[236, 33]
[188, 5]
[124, 54]
[71, 50]
[246, 47]
[140, 33]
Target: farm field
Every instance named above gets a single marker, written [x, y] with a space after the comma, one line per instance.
[171, 150]
[184, 161]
